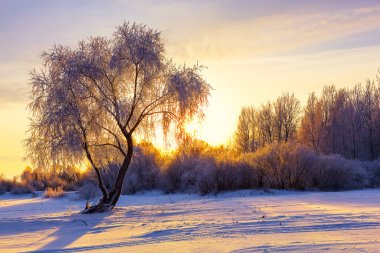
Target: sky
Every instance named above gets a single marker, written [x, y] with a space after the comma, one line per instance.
[253, 50]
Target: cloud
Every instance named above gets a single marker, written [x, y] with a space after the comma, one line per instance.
[208, 31]
[273, 33]
[13, 82]
[12, 95]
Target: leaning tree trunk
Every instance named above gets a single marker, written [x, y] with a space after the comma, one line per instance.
[108, 203]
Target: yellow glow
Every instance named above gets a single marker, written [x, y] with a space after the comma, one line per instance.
[83, 167]
[13, 124]
[194, 128]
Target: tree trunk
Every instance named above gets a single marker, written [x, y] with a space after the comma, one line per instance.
[113, 196]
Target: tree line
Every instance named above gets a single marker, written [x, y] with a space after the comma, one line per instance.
[342, 121]
[197, 167]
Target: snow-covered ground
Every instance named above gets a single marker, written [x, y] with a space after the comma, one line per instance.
[242, 221]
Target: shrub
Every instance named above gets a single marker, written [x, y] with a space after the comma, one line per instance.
[284, 166]
[191, 173]
[3, 188]
[22, 188]
[333, 172]
[206, 181]
[51, 192]
[88, 191]
[5, 184]
[294, 166]
[234, 175]
[373, 170]
[143, 173]
[67, 178]
[197, 167]
[180, 176]
[201, 173]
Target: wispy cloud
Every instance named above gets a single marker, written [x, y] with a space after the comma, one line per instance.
[12, 95]
[13, 82]
[208, 31]
[275, 33]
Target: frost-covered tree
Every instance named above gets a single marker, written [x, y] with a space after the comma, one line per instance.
[278, 120]
[311, 124]
[89, 102]
[327, 101]
[286, 117]
[343, 121]
[246, 133]
[370, 112]
[265, 123]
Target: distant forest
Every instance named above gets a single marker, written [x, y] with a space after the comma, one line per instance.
[339, 121]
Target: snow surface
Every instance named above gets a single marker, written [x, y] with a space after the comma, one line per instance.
[242, 221]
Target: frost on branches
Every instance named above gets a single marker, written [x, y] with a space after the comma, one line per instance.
[89, 101]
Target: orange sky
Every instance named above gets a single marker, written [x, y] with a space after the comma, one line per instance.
[253, 50]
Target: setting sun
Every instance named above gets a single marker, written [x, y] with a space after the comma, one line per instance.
[194, 128]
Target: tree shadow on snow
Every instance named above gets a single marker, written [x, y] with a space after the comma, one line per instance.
[70, 229]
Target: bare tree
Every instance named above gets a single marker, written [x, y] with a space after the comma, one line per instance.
[344, 121]
[286, 117]
[246, 133]
[88, 102]
[265, 120]
[355, 119]
[311, 124]
[370, 106]
[329, 133]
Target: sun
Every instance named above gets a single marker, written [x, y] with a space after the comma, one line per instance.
[194, 128]
[83, 167]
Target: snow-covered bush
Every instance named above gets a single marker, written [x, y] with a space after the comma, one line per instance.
[205, 172]
[196, 167]
[180, 176]
[185, 167]
[284, 165]
[200, 168]
[51, 192]
[88, 190]
[37, 178]
[67, 178]
[3, 188]
[206, 180]
[373, 170]
[5, 184]
[143, 173]
[21, 188]
[234, 175]
[333, 172]
[294, 166]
